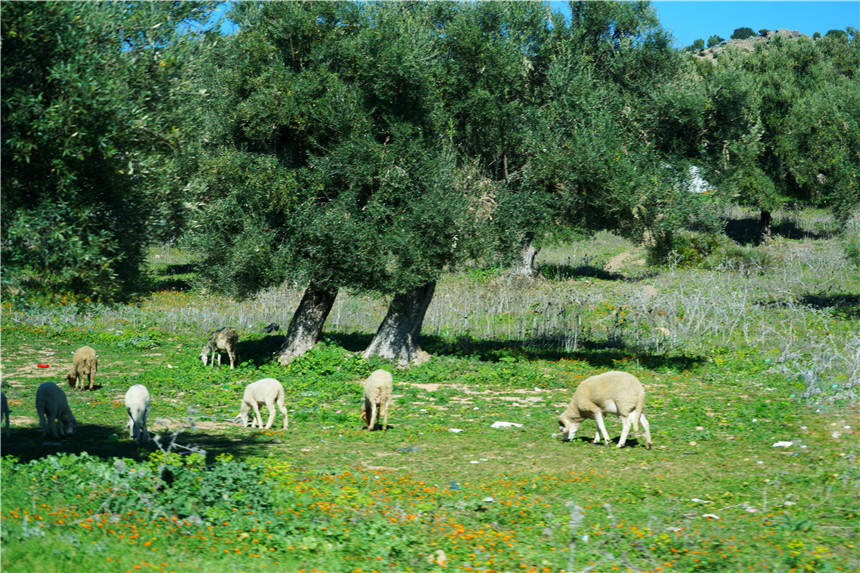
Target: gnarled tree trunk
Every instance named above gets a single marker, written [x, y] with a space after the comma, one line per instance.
[765, 224]
[528, 253]
[307, 322]
[397, 336]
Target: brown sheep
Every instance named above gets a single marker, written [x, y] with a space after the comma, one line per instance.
[84, 365]
[226, 339]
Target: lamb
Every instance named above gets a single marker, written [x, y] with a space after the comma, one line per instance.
[612, 392]
[85, 364]
[4, 412]
[137, 406]
[52, 407]
[377, 398]
[266, 391]
[224, 338]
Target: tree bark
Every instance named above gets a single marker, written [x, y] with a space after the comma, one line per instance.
[765, 224]
[307, 323]
[397, 336]
[528, 253]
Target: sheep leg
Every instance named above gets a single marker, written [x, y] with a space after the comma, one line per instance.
[43, 423]
[647, 429]
[571, 430]
[598, 417]
[372, 424]
[271, 406]
[219, 359]
[626, 422]
[385, 406]
[258, 419]
[283, 410]
[232, 356]
[130, 424]
[144, 434]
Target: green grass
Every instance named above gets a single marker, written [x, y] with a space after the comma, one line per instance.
[714, 493]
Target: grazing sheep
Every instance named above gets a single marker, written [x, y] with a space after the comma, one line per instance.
[84, 365]
[225, 339]
[614, 392]
[266, 391]
[137, 406]
[377, 398]
[4, 412]
[52, 407]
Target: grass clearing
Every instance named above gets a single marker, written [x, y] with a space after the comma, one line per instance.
[751, 393]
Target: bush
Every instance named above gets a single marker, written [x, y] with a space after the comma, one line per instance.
[743, 33]
[686, 248]
[851, 240]
[738, 258]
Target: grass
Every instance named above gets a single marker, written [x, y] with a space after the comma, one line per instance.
[744, 361]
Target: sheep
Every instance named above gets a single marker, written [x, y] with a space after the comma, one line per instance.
[225, 339]
[377, 398]
[52, 407]
[4, 412]
[84, 364]
[612, 392]
[137, 406]
[266, 391]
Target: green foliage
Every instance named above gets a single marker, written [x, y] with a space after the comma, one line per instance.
[763, 32]
[73, 213]
[743, 33]
[715, 40]
[687, 248]
[697, 46]
[851, 240]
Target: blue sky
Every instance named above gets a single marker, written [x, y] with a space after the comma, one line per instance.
[689, 20]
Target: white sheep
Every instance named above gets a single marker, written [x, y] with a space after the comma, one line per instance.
[52, 406]
[377, 398]
[84, 365]
[266, 391]
[613, 392]
[4, 412]
[225, 339]
[137, 406]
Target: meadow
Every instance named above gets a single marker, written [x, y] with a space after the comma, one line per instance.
[750, 357]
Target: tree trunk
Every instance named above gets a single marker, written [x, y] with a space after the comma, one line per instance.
[765, 227]
[397, 337]
[307, 323]
[527, 258]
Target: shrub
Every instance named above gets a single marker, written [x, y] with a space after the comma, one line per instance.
[851, 240]
[738, 258]
[686, 248]
[743, 33]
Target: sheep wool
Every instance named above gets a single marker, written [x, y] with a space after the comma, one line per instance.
[614, 392]
[378, 389]
[55, 416]
[84, 365]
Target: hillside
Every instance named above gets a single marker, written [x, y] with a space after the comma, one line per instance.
[747, 44]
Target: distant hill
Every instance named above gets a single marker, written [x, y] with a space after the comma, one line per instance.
[747, 44]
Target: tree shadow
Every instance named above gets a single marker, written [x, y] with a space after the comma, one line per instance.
[844, 305]
[566, 272]
[173, 277]
[597, 353]
[110, 442]
[746, 231]
[259, 351]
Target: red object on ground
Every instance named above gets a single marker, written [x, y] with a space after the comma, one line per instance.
[43, 365]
